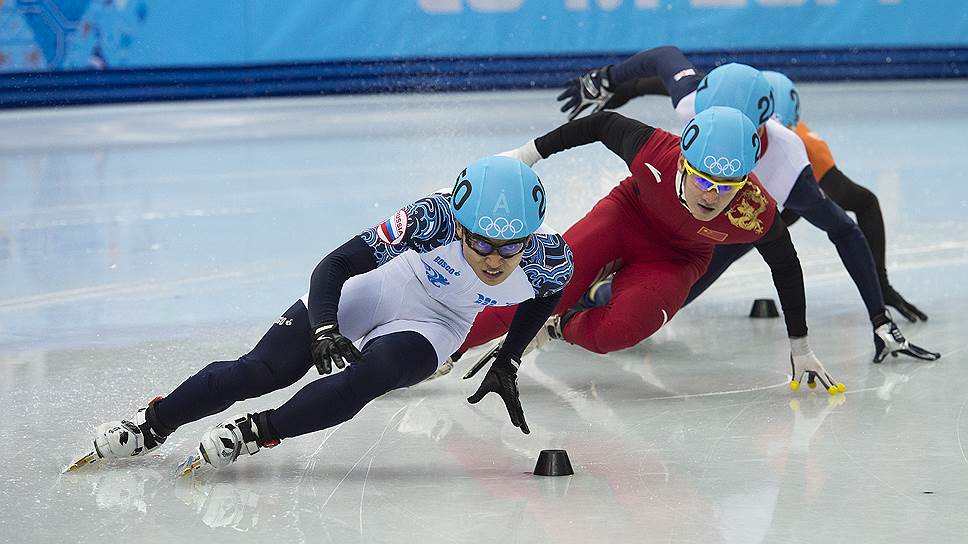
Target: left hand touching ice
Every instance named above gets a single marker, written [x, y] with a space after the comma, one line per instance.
[501, 378]
[888, 340]
[804, 364]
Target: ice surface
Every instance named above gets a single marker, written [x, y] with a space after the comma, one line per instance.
[139, 243]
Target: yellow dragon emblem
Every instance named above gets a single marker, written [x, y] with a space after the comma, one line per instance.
[747, 208]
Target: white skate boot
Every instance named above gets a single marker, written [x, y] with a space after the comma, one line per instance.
[221, 445]
[126, 438]
[444, 369]
[550, 331]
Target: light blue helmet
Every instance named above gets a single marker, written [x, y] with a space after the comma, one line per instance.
[787, 99]
[737, 86]
[500, 198]
[721, 141]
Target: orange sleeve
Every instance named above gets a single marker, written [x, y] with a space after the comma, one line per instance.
[821, 160]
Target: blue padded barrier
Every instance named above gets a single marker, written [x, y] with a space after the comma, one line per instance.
[37, 89]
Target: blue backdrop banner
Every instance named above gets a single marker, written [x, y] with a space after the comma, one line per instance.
[42, 35]
[90, 51]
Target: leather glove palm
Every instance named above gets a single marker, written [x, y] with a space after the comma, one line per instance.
[329, 347]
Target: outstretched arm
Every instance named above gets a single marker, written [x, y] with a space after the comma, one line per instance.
[675, 72]
[777, 250]
[595, 89]
[623, 136]
[634, 89]
[502, 376]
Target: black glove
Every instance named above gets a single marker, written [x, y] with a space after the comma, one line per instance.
[888, 340]
[502, 378]
[585, 91]
[894, 299]
[329, 346]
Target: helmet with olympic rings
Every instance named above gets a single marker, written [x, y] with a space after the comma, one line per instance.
[737, 86]
[721, 141]
[500, 198]
[787, 98]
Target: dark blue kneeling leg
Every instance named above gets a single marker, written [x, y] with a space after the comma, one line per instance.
[278, 360]
[400, 359]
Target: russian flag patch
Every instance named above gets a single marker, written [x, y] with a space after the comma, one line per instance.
[392, 230]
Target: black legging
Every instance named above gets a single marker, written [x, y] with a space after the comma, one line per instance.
[281, 358]
[860, 200]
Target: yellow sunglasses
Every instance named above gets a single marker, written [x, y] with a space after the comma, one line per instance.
[706, 184]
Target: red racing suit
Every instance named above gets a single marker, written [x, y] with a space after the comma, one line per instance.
[643, 230]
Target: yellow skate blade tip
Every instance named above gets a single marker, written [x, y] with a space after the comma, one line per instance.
[189, 466]
[88, 459]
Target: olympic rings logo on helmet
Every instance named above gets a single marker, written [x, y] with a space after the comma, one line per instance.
[721, 166]
[500, 227]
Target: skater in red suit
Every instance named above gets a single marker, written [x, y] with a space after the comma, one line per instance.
[657, 229]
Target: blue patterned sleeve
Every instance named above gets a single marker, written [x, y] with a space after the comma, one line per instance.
[548, 263]
[422, 226]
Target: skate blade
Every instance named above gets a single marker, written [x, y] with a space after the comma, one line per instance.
[190, 465]
[88, 459]
[486, 358]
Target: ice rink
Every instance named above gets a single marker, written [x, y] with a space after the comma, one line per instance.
[139, 243]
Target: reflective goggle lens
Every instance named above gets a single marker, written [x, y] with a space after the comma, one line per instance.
[710, 185]
[707, 184]
[485, 248]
